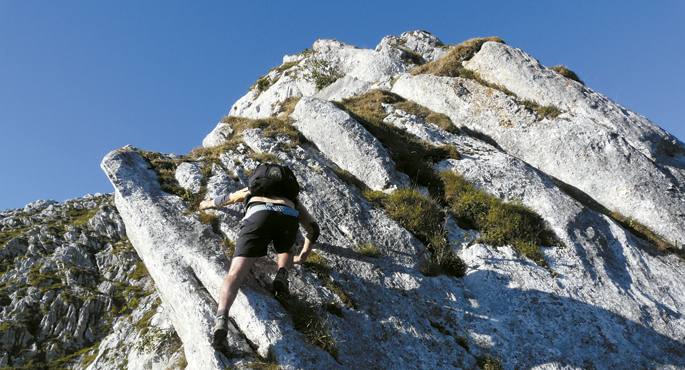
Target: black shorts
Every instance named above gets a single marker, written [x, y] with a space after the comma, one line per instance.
[263, 227]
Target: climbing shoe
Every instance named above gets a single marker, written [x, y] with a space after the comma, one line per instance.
[219, 332]
[280, 284]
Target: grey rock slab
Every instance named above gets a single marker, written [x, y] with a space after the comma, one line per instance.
[347, 143]
[219, 135]
[189, 176]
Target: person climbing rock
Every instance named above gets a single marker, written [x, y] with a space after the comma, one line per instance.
[272, 215]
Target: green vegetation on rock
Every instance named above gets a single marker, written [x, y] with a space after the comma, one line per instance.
[316, 263]
[643, 232]
[368, 249]
[564, 71]
[264, 82]
[411, 155]
[322, 73]
[306, 317]
[451, 64]
[423, 217]
[500, 223]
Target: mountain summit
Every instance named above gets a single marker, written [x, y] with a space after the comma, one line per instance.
[477, 209]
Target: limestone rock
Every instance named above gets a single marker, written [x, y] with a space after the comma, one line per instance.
[347, 143]
[219, 135]
[189, 176]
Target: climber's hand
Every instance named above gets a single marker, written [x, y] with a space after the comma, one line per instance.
[299, 259]
[206, 204]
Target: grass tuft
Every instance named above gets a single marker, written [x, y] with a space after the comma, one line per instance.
[564, 71]
[645, 233]
[306, 318]
[139, 272]
[265, 157]
[488, 362]
[500, 223]
[263, 83]
[316, 263]
[451, 64]
[369, 250]
[270, 127]
[438, 119]
[322, 73]
[230, 247]
[411, 155]
[542, 111]
[422, 217]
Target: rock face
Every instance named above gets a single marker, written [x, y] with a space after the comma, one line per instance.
[620, 159]
[606, 291]
[347, 143]
[73, 292]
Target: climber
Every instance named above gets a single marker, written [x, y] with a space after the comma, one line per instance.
[272, 214]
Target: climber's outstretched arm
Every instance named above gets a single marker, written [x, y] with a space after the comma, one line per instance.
[236, 196]
[312, 229]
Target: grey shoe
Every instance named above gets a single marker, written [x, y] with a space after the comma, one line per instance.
[219, 332]
[280, 284]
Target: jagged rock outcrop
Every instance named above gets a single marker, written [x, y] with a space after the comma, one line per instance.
[70, 283]
[523, 220]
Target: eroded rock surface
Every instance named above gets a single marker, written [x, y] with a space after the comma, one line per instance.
[70, 283]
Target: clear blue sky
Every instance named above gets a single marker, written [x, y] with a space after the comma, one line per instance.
[80, 78]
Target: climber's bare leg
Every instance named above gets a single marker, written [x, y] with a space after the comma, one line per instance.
[284, 260]
[280, 283]
[240, 266]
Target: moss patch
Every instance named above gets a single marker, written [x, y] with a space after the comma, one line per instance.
[500, 223]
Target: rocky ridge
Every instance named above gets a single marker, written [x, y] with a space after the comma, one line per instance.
[74, 292]
[477, 210]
